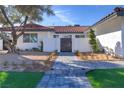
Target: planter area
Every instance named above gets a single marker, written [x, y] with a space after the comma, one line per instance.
[27, 61]
[97, 57]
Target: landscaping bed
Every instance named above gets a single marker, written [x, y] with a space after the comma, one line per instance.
[107, 78]
[31, 61]
[20, 79]
[97, 57]
[43, 66]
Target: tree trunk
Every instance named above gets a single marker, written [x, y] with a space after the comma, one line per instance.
[8, 47]
[11, 45]
[14, 43]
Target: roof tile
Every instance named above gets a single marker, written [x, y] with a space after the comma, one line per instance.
[70, 29]
[57, 29]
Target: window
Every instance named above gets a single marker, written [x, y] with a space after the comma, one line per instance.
[26, 38]
[30, 38]
[33, 38]
[79, 36]
[68, 36]
[55, 36]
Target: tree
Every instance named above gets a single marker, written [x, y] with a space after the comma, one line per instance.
[93, 42]
[10, 16]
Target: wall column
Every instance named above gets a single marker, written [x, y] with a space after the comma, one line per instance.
[122, 35]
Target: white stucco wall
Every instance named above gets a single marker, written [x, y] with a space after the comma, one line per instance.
[109, 35]
[113, 41]
[81, 44]
[51, 44]
[122, 34]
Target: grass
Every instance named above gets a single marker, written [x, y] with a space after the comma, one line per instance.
[19, 79]
[107, 78]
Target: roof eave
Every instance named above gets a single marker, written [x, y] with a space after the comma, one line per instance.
[105, 18]
[113, 14]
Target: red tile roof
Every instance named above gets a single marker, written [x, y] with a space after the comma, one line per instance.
[57, 29]
[70, 29]
[29, 27]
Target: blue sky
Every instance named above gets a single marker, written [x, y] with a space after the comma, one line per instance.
[76, 14]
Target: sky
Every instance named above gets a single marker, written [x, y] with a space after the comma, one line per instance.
[77, 14]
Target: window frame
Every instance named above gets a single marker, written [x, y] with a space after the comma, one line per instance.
[79, 36]
[55, 36]
[30, 38]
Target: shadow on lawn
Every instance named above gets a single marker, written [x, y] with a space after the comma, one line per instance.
[67, 72]
[90, 64]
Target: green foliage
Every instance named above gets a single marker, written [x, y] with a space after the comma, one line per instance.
[92, 34]
[93, 42]
[17, 13]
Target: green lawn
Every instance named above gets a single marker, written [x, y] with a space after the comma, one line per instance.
[19, 79]
[107, 78]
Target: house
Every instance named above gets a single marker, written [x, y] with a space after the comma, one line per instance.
[110, 32]
[60, 38]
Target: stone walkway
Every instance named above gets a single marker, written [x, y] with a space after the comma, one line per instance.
[69, 72]
[65, 74]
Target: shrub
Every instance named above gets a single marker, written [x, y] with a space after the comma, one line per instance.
[23, 64]
[18, 49]
[14, 65]
[111, 52]
[5, 64]
[27, 50]
[93, 41]
[77, 53]
[56, 51]
[106, 50]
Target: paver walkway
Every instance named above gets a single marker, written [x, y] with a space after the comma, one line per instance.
[65, 74]
[69, 72]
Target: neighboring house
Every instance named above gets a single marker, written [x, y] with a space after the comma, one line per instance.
[60, 38]
[110, 32]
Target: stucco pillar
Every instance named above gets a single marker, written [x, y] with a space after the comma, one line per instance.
[122, 35]
[58, 44]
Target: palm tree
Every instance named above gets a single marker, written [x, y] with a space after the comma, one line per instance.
[21, 14]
